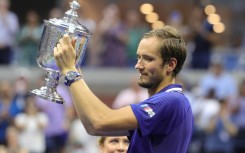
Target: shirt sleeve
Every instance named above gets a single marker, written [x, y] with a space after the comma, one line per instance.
[161, 113]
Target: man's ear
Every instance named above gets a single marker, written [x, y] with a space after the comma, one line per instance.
[171, 64]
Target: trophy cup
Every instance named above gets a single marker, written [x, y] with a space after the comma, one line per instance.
[54, 29]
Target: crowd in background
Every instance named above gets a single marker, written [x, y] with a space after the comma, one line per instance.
[30, 124]
[117, 37]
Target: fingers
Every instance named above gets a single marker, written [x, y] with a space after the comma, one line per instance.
[73, 42]
[58, 46]
[64, 44]
[55, 51]
[66, 39]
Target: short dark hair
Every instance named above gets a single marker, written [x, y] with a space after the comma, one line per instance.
[173, 46]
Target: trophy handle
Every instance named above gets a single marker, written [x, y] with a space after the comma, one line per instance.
[49, 90]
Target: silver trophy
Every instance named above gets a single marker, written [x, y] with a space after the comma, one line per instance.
[54, 29]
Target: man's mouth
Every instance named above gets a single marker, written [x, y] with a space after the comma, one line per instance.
[143, 74]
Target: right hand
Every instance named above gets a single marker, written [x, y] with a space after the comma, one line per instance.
[65, 54]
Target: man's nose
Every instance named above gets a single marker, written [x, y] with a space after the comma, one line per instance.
[139, 65]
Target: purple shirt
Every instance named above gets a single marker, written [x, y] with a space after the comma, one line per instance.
[165, 123]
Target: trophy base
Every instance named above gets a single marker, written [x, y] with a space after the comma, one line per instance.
[48, 94]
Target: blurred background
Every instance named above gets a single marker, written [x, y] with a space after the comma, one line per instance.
[213, 76]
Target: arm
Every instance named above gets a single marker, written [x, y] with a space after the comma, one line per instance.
[228, 125]
[212, 125]
[97, 118]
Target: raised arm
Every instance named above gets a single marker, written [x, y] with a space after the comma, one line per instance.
[97, 118]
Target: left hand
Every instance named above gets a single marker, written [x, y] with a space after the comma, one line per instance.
[65, 54]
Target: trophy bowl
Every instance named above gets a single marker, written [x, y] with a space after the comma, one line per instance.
[54, 29]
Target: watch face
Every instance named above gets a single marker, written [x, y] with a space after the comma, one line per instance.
[71, 75]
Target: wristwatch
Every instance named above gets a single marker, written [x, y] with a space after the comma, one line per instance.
[72, 76]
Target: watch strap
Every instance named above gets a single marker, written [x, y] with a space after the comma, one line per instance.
[69, 82]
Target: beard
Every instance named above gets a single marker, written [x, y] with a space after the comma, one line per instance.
[145, 85]
[150, 83]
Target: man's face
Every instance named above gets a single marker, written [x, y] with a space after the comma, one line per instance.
[150, 62]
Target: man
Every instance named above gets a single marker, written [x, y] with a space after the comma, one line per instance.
[162, 123]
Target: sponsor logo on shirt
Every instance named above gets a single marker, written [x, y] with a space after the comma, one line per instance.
[148, 109]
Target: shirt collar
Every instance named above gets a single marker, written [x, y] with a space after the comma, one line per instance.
[172, 87]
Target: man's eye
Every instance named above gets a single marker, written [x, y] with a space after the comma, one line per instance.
[148, 59]
[145, 58]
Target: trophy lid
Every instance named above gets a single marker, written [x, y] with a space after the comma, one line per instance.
[70, 21]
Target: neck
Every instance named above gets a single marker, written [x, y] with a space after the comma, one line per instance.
[165, 82]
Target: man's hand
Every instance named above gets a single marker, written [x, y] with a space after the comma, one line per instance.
[65, 54]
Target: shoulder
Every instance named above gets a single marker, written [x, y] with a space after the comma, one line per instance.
[168, 97]
[172, 101]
